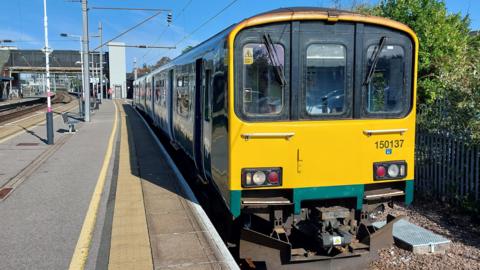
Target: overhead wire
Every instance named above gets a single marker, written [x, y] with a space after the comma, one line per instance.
[205, 23]
[180, 13]
[129, 29]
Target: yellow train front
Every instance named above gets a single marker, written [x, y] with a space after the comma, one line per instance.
[321, 129]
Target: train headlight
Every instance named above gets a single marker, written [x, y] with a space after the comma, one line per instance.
[261, 177]
[389, 170]
[393, 170]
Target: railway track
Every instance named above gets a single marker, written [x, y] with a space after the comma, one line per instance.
[15, 110]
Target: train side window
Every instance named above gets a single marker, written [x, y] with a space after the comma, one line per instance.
[385, 93]
[148, 90]
[262, 92]
[183, 101]
[325, 79]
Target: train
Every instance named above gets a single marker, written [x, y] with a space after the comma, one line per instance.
[303, 122]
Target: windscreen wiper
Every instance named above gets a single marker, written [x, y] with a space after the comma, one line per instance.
[272, 54]
[376, 56]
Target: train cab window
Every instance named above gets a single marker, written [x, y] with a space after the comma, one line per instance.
[325, 79]
[384, 85]
[262, 92]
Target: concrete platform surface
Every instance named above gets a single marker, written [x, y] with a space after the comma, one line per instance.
[42, 218]
[16, 153]
[8, 102]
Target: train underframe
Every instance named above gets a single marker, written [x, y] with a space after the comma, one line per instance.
[326, 233]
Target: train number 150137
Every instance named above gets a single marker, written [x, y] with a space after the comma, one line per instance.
[389, 144]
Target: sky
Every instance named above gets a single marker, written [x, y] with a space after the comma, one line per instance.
[22, 22]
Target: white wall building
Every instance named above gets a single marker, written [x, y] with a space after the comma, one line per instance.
[118, 69]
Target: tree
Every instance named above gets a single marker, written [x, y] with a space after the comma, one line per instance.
[164, 60]
[448, 77]
[186, 49]
[143, 70]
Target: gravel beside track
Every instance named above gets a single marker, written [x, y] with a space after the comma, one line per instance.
[461, 229]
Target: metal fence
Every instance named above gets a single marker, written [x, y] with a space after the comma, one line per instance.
[447, 167]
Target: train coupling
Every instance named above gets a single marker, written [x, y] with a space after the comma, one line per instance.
[335, 226]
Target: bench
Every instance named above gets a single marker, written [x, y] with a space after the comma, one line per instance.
[70, 122]
[94, 105]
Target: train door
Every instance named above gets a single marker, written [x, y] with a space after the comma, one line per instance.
[198, 122]
[152, 99]
[170, 105]
[326, 61]
[144, 95]
[206, 122]
[156, 97]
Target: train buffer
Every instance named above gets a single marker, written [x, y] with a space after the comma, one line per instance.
[415, 238]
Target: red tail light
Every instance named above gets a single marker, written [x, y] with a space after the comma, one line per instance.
[380, 171]
[273, 177]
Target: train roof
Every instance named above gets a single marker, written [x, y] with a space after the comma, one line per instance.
[305, 13]
[293, 13]
[306, 9]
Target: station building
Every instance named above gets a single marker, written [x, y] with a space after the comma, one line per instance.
[22, 72]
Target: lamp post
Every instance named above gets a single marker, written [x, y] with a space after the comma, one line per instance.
[81, 63]
[93, 73]
[100, 33]
[86, 84]
[49, 114]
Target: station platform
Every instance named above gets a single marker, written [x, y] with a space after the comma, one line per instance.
[9, 102]
[105, 197]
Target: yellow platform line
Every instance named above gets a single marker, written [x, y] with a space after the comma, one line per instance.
[82, 248]
[130, 242]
